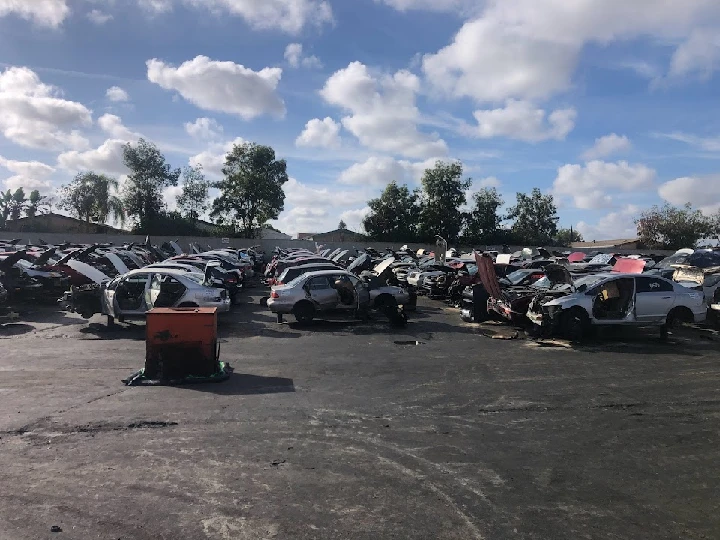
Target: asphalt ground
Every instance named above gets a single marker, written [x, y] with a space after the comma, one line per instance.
[354, 430]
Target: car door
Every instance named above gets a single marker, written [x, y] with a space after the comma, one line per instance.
[164, 291]
[362, 293]
[130, 297]
[653, 300]
[320, 292]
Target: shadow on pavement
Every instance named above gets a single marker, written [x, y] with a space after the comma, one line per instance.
[240, 384]
[118, 331]
[15, 329]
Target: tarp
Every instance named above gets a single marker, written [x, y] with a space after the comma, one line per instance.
[629, 266]
[486, 271]
[576, 257]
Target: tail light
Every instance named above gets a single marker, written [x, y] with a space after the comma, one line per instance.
[274, 294]
[231, 280]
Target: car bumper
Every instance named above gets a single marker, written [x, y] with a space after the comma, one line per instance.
[715, 307]
[279, 307]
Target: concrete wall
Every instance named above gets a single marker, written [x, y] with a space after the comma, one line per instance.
[267, 245]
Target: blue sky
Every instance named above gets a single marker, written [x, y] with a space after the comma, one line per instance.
[610, 105]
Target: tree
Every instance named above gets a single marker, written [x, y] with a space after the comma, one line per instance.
[193, 201]
[252, 191]
[565, 237]
[149, 175]
[5, 206]
[668, 227]
[442, 196]
[342, 225]
[35, 202]
[394, 215]
[535, 218]
[90, 197]
[17, 203]
[482, 224]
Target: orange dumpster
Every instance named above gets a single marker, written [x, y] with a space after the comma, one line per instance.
[181, 342]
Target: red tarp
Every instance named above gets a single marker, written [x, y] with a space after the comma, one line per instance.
[576, 257]
[629, 266]
[486, 271]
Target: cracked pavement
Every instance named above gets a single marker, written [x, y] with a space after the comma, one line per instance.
[337, 431]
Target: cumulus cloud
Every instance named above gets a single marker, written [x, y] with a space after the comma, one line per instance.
[354, 218]
[379, 171]
[617, 224]
[212, 160]
[221, 86]
[701, 191]
[588, 184]
[107, 158]
[606, 146]
[290, 16]
[98, 17]
[521, 120]
[383, 111]
[323, 133]
[204, 128]
[36, 116]
[116, 94]
[699, 54]
[27, 174]
[113, 126]
[528, 49]
[295, 57]
[50, 13]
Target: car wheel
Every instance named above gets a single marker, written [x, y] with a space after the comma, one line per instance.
[384, 300]
[575, 324]
[304, 312]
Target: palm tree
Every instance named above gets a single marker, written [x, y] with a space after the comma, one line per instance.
[5, 207]
[90, 197]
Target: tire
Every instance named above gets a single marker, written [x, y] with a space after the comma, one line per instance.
[121, 319]
[384, 300]
[676, 317]
[575, 324]
[304, 312]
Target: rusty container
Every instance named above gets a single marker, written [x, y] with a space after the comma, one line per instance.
[181, 342]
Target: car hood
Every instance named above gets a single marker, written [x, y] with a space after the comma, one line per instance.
[558, 274]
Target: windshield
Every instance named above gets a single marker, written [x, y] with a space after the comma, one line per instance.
[667, 262]
[517, 276]
[587, 282]
[194, 276]
[602, 258]
[542, 283]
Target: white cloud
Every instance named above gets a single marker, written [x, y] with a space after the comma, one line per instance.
[98, 17]
[299, 194]
[380, 171]
[221, 86]
[294, 56]
[607, 145]
[204, 128]
[212, 160]
[290, 16]
[35, 115]
[27, 174]
[170, 195]
[700, 53]
[431, 5]
[49, 13]
[528, 49]
[304, 219]
[354, 218]
[113, 126]
[116, 94]
[107, 158]
[323, 133]
[588, 184]
[701, 191]
[522, 121]
[383, 116]
[618, 224]
[709, 144]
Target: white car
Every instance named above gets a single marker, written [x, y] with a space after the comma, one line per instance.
[133, 294]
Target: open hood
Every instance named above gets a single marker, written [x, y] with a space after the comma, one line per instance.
[45, 257]
[558, 274]
[384, 265]
[362, 261]
[486, 271]
[627, 265]
[11, 259]
[576, 257]
[88, 271]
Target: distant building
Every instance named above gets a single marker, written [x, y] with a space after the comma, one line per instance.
[338, 235]
[305, 235]
[57, 223]
[622, 243]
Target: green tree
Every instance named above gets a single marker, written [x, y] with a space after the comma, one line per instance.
[193, 201]
[535, 218]
[17, 203]
[482, 224]
[251, 192]
[90, 197]
[342, 225]
[35, 202]
[394, 215]
[668, 227]
[442, 196]
[149, 175]
[565, 237]
[5, 206]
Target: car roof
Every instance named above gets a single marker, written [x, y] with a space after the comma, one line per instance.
[321, 273]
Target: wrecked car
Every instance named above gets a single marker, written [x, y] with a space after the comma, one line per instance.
[616, 299]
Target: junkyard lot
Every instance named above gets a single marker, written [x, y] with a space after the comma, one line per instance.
[336, 431]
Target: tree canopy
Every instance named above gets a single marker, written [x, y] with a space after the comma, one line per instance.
[193, 201]
[394, 215]
[482, 225]
[535, 218]
[565, 237]
[149, 175]
[442, 196]
[90, 197]
[668, 227]
[251, 191]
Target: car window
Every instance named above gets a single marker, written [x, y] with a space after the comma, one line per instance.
[318, 283]
[648, 284]
[135, 279]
